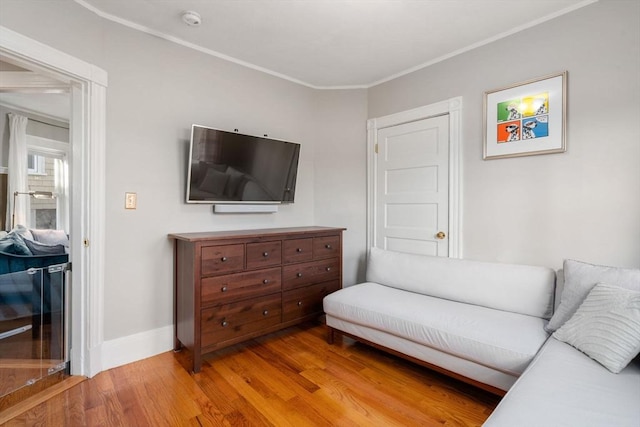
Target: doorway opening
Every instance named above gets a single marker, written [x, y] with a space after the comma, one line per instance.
[86, 85]
[34, 330]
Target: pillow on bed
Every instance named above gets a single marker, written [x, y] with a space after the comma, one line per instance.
[38, 248]
[606, 327]
[22, 231]
[13, 242]
[580, 278]
[50, 237]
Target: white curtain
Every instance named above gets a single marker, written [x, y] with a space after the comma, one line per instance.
[18, 174]
[62, 194]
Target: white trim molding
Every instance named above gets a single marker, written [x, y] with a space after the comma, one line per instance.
[88, 85]
[451, 107]
[136, 347]
[47, 60]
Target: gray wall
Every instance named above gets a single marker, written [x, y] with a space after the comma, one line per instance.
[341, 172]
[583, 204]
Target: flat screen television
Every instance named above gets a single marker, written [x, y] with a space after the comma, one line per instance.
[229, 167]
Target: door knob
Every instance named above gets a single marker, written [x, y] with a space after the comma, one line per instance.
[441, 235]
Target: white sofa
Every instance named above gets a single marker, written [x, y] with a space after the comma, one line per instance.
[481, 322]
[486, 324]
[564, 387]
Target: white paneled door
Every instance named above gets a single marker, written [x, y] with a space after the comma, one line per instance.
[412, 187]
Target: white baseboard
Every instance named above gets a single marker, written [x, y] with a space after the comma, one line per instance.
[136, 347]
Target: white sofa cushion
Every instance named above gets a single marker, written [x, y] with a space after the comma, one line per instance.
[501, 340]
[580, 278]
[606, 327]
[515, 288]
[564, 388]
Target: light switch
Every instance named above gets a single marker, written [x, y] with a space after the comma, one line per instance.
[130, 200]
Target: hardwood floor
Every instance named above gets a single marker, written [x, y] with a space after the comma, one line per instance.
[289, 378]
[24, 357]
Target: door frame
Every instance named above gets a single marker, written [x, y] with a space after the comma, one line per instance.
[451, 107]
[87, 127]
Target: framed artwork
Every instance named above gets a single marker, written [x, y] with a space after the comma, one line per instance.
[526, 119]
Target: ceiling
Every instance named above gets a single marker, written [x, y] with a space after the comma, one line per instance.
[334, 43]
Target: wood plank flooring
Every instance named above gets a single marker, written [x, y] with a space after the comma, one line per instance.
[25, 358]
[289, 378]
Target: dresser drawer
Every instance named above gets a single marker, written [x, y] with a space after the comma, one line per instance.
[326, 247]
[233, 287]
[306, 301]
[297, 250]
[234, 320]
[222, 259]
[263, 254]
[296, 275]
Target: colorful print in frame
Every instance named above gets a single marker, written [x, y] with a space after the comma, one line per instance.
[526, 119]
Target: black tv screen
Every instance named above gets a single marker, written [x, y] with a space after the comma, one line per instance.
[229, 167]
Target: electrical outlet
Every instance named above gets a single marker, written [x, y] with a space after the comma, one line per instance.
[130, 200]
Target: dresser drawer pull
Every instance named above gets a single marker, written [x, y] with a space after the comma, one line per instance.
[223, 259]
[299, 303]
[328, 246]
[266, 312]
[224, 289]
[328, 269]
[299, 250]
[265, 281]
[224, 324]
[299, 275]
[265, 254]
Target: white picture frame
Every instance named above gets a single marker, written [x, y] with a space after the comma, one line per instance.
[526, 119]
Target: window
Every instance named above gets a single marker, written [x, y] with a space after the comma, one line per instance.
[47, 172]
[43, 210]
[35, 164]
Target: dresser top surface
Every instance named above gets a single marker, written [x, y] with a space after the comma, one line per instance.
[226, 234]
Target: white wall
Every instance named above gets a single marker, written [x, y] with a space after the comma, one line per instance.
[156, 91]
[341, 171]
[583, 204]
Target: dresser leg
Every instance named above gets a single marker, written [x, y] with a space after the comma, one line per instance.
[197, 361]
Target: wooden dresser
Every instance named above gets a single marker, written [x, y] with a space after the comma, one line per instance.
[231, 286]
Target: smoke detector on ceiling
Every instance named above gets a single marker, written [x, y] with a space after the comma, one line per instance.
[191, 18]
